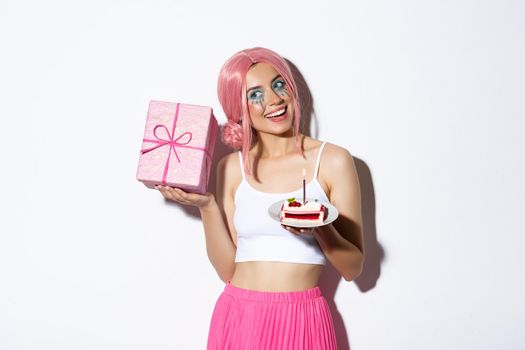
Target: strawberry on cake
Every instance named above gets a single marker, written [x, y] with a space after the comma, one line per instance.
[294, 212]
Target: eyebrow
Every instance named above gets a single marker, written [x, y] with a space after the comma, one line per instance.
[259, 86]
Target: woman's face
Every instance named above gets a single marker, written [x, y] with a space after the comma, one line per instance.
[270, 102]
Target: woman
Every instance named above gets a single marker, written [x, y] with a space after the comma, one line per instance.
[271, 299]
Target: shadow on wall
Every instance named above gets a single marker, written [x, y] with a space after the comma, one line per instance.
[331, 278]
[373, 250]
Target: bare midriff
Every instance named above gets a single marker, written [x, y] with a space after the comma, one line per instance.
[273, 276]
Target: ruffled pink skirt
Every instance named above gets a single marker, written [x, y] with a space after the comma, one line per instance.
[245, 319]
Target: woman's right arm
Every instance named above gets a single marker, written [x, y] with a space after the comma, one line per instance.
[215, 211]
[219, 231]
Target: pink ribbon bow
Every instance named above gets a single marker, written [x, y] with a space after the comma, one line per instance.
[173, 143]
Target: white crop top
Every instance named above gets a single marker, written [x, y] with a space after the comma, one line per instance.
[261, 238]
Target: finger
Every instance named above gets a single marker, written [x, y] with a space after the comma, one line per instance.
[300, 231]
[161, 189]
[168, 193]
[179, 195]
[307, 231]
[291, 229]
[190, 197]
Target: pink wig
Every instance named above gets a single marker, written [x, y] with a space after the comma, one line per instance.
[237, 133]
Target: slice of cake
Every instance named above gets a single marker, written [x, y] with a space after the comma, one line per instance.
[294, 212]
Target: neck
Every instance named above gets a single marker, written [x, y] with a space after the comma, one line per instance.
[271, 146]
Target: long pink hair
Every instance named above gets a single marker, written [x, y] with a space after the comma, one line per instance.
[231, 88]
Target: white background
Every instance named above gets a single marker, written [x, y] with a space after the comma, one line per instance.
[427, 96]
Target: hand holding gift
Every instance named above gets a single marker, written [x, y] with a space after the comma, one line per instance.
[186, 198]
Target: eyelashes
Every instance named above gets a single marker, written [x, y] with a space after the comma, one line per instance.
[278, 86]
[256, 96]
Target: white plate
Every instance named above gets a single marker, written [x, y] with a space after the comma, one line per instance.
[275, 210]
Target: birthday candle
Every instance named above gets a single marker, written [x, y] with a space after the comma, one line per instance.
[304, 186]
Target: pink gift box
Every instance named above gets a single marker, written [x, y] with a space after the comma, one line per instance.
[177, 147]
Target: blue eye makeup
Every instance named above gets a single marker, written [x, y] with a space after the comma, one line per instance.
[279, 85]
[255, 96]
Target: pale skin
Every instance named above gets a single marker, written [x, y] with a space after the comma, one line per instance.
[276, 156]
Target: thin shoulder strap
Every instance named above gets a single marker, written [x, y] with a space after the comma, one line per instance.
[318, 160]
[242, 165]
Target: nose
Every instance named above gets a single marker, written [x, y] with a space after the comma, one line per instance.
[274, 98]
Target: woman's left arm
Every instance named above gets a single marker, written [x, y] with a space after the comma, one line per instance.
[342, 241]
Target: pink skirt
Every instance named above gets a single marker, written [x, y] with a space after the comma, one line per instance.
[246, 319]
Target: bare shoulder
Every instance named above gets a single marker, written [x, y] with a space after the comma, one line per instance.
[337, 167]
[229, 161]
[336, 157]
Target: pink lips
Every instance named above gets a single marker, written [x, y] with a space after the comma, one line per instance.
[279, 118]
